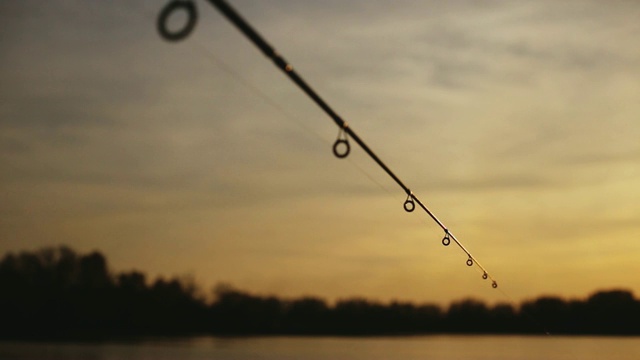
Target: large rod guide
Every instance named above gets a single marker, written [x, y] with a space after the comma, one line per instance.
[341, 147]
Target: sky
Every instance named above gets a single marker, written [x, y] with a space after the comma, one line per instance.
[515, 122]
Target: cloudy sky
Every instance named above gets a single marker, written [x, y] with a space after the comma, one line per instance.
[516, 122]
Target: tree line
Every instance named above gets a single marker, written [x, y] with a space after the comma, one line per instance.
[56, 293]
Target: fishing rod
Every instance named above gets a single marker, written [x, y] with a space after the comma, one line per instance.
[341, 147]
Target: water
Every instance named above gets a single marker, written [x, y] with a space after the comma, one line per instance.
[271, 348]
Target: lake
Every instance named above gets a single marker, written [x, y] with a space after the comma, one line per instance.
[352, 348]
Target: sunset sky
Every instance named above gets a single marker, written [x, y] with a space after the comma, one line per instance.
[516, 122]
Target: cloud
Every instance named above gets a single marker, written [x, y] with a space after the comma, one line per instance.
[629, 157]
[513, 113]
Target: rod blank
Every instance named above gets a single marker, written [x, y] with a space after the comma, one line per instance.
[234, 17]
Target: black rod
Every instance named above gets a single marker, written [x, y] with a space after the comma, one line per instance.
[283, 65]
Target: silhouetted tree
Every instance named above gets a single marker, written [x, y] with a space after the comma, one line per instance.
[57, 293]
[503, 319]
[93, 272]
[550, 311]
[468, 316]
[235, 312]
[306, 316]
[613, 312]
[358, 316]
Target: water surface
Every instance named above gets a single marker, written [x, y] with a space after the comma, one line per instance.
[271, 348]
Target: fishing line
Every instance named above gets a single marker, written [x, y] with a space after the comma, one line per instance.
[341, 147]
[256, 91]
[222, 65]
[287, 115]
[226, 68]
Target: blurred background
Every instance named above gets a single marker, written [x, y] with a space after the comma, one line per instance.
[515, 122]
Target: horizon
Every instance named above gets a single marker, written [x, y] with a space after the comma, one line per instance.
[64, 263]
[515, 123]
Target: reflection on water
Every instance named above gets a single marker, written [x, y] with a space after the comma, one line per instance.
[267, 348]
